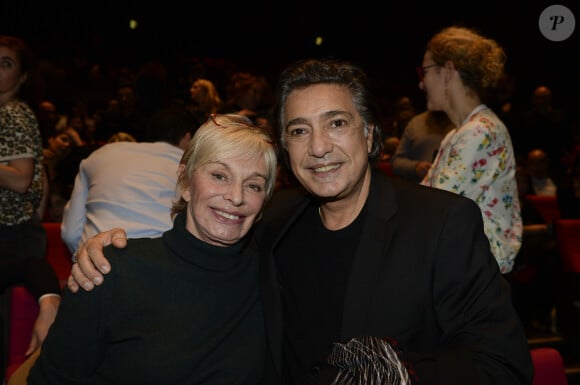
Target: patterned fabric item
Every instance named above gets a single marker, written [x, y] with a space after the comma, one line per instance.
[477, 160]
[368, 361]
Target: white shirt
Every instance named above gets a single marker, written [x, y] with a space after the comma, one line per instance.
[123, 184]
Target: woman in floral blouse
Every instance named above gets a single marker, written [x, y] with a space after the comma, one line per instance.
[477, 158]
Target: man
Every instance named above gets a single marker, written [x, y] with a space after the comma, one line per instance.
[139, 198]
[356, 254]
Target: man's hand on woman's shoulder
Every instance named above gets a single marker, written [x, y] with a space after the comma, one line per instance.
[89, 262]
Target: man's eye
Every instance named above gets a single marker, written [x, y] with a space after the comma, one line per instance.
[296, 132]
[338, 123]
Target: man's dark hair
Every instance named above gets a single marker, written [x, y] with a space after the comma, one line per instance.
[170, 124]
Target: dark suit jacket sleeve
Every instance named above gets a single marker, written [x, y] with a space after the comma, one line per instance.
[482, 341]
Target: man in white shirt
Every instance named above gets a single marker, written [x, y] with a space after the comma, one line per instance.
[129, 184]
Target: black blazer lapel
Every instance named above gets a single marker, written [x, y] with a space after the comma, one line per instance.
[283, 210]
[370, 259]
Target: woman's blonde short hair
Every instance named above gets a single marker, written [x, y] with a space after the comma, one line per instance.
[225, 136]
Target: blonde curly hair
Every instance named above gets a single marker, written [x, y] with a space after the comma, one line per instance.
[479, 60]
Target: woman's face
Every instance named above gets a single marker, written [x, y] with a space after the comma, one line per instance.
[198, 91]
[60, 144]
[11, 76]
[433, 83]
[224, 199]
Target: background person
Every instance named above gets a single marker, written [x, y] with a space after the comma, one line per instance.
[419, 144]
[476, 159]
[21, 160]
[140, 198]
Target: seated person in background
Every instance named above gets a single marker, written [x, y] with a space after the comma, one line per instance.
[58, 159]
[205, 100]
[184, 307]
[568, 193]
[419, 144]
[40, 279]
[537, 265]
[390, 144]
[140, 197]
[537, 167]
[121, 136]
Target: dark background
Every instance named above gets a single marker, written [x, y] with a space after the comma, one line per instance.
[387, 38]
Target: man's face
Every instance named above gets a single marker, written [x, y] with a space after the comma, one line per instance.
[326, 141]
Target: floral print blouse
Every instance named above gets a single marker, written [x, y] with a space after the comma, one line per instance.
[477, 161]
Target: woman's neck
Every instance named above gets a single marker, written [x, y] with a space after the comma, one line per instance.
[462, 109]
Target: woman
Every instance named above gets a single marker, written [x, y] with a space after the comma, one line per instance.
[57, 161]
[205, 99]
[183, 308]
[22, 237]
[21, 160]
[476, 159]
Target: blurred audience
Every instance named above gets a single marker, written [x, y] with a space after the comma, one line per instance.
[121, 137]
[58, 165]
[205, 100]
[252, 96]
[419, 144]
[538, 170]
[119, 115]
[568, 193]
[534, 278]
[404, 112]
[546, 127]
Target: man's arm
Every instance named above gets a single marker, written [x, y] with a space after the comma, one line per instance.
[74, 215]
[89, 262]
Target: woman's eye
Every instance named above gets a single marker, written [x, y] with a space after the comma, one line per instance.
[256, 187]
[218, 176]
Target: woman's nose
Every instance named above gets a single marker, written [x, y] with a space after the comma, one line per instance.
[235, 194]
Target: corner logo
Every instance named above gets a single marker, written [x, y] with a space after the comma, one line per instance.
[557, 23]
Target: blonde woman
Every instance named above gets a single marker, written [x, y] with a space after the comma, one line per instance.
[476, 159]
[183, 308]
